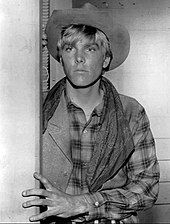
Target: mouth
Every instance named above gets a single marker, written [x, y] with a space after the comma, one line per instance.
[80, 70]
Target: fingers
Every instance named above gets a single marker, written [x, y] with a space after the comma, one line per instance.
[41, 215]
[36, 192]
[39, 192]
[44, 181]
[38, 202]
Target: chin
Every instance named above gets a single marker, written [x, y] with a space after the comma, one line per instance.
[79, 83]
[82, 85]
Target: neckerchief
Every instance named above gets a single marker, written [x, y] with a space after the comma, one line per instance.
[113, 140]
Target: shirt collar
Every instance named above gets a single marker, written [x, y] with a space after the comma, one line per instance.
[98, 110]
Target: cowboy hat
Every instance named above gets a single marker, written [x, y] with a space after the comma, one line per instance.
[90, 15]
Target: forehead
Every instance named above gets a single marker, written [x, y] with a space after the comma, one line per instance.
[82, 41]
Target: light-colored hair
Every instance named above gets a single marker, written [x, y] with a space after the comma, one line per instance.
[75, 32]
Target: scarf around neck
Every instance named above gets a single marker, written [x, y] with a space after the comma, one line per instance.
[113, 140]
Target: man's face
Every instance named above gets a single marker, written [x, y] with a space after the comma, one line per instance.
[83, 62]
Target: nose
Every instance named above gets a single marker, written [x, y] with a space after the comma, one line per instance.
[79, 57]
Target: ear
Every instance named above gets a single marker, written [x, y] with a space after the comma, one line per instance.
[106, 62]
[61, 61]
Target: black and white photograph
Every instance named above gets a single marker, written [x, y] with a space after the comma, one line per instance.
[85, 111]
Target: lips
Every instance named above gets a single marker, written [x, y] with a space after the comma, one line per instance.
[80, 70]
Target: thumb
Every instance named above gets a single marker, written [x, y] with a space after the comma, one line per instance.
[48, 186]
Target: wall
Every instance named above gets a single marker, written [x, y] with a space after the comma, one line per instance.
[19, 105]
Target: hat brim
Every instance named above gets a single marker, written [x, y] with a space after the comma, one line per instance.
[117, 34]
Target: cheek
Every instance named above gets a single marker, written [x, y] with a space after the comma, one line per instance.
[67, 63]
[97, 64]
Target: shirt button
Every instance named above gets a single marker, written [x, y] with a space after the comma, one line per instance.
[85, 131]
[96, 221]
[96, 204]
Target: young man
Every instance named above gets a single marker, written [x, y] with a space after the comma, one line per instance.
[98, 155]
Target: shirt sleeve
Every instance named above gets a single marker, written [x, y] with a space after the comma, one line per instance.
[142, 170]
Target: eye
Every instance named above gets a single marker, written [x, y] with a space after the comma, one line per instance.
[91, 49]
[68, 48]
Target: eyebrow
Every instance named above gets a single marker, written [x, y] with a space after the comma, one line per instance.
[86, 45]
[92, 44]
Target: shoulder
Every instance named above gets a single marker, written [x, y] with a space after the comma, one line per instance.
[129, 102]
[133, 110]
[135, 114]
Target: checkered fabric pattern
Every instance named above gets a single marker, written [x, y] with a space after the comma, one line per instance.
[81, 144]
[141, 173]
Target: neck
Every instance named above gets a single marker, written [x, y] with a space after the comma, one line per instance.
[86, 98]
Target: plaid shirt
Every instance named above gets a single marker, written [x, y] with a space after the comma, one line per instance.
[81, 144]
[140, 175]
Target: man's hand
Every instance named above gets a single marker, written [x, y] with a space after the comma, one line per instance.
[58, 203]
